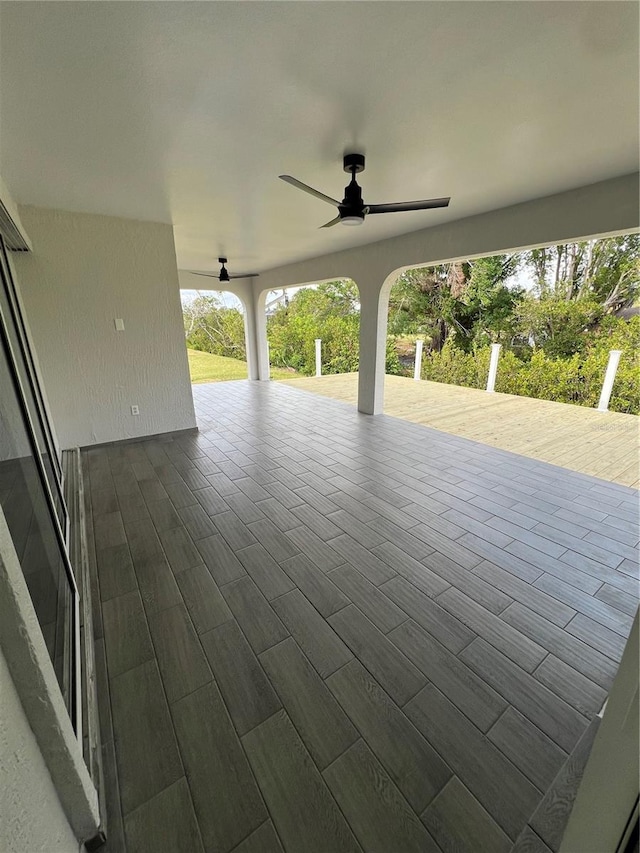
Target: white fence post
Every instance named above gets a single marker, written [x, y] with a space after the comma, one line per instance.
[318, 357]
[493, 367]
[417, 370]
[609, 377]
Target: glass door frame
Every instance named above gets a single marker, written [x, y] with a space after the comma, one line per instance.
[44, 419]
[72, 636]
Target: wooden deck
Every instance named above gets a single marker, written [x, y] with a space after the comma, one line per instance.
[602, 445]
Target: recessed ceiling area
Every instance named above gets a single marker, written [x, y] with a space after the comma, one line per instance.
[187, 112]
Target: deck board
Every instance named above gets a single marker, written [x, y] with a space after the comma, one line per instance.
[601, 444]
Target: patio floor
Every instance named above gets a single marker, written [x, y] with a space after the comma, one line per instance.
[321, 631]
[604, 445]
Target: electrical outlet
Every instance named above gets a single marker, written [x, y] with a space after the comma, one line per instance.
[135, 410]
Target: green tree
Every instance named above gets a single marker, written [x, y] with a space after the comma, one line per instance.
[606, 270]
[469, 302]
[212, 327]
[558, 326]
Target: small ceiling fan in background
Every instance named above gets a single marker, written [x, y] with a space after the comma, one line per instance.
[223, 275]
[352, 210]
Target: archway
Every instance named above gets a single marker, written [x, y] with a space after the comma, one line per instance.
[215, 335]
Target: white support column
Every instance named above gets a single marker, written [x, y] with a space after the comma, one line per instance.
[373, 346]
[417, 370]
[262, 344]
[318, 357]
[609, 378]
[250, 337]
[493, 367]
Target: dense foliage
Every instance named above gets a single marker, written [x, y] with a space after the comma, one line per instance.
[330, 312]
[575, 379]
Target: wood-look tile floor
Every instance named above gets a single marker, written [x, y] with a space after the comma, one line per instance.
[322, 631]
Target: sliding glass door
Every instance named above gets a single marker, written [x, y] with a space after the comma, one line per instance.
[32, 495]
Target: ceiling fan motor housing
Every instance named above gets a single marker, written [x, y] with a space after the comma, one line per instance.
[353, 163]
[224, 275]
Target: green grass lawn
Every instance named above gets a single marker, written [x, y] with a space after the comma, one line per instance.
[205, 367]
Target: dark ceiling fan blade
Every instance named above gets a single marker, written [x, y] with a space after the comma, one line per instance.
[205, 274]
[307, 189]
[332, 222]
[247, 275]
[402, 206]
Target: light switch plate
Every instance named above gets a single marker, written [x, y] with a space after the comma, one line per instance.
[119, 324]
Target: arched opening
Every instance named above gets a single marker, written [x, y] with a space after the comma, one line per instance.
[556, 312]
[551, 332]
[298, 317]
[215, 335]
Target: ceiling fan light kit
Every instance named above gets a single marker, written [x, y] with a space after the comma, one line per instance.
[352, 210]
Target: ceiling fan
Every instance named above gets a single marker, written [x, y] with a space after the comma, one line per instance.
[223, 275]
[352, 210]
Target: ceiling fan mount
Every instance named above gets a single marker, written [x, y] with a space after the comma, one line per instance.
[352, 210]
[353, 163]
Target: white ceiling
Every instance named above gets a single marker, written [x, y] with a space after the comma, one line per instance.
[188, 112]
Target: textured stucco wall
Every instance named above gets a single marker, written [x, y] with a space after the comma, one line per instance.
[85, 271]
[31, 817]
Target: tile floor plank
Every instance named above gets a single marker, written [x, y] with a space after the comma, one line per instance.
[266, 573]
[273, 540]
[115, 569]
[262, 840]
[503, 790]
[146, 750]
[220, 559]
[317, 586]
[415, 572]
[225, 795]
[126, 634]
[314, 635]
[196, 521]
[256, 617]
[323, 726]
[366, 561]
[305, 814]
[413, 764]
[577, 690]
[179, 549]
[247, 692]
[459, 824]
[375, 602]
[447, 629]
[468, 582]
[550, 818]
[482, 704]
[393, 671]
[321, 554]
[503, 636]
[591, 663]
[166, 822]
[182, 663]
[378, 814]
[532, 752]
[562, 723]
[204, 601]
